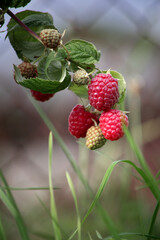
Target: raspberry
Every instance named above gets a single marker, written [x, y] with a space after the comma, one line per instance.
[80, 120]
[81, 77]
[94, 138]
[103, 91]
[50, 38]
[111, 124]
[27, 70]
[41, 96]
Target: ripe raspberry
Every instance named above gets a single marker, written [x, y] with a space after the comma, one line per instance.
[81, 77]
[94, 138]
[80, 120]
[50, 38]
[111, 124]
[103, 91]
[27, 70]
[41, 96]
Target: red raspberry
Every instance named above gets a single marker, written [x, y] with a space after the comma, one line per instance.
[80, 121]
[111, 124]
[41, 96]
[103, 91]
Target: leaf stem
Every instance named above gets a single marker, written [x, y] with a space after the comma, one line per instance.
[12, 15]
[68, 57]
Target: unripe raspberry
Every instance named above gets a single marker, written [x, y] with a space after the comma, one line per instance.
[111, 124]
[103, 92]
[80, 120]
[50, 38]
[81, 77]
[27, 70]
[94, 138]
[42, 97]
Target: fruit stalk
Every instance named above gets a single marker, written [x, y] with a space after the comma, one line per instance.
[12, 15]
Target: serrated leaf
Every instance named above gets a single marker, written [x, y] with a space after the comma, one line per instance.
[74, 67]
[46, 86]
[23, 43]
[42, 85]
[82, 52]
[61, 54]
[52, 69]
[121, 85]
[80, 91]
[13, 3]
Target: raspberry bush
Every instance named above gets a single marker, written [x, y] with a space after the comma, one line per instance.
[49, 66]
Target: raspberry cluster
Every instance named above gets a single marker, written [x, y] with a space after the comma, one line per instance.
[102, 120]
[103, 96]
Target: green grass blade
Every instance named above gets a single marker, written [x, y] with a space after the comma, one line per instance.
[2, 232]
[102, 186]
[60, 142]
[42, 235]
[48, 212]
[89, 235]
[28, 188]
[158, 174]
[95, 202]
[97, 197]
[130, 234]
[71, 186]
[153, 220]
[98, 235]
[52, 200]
[150, 178]
[9, 201]
[69, 156]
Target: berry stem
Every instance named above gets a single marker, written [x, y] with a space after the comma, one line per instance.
[12, 15]
[65, 50]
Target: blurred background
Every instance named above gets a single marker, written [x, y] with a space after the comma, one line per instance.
[128, 35]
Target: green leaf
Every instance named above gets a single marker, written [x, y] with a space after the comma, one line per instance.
[82, 52]
[24, 43]
[80, 91]
[50, 68]
[121, 85]
[43, 85]
[61, 54]
[13, 3]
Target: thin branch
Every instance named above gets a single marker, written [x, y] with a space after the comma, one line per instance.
[12, 15]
